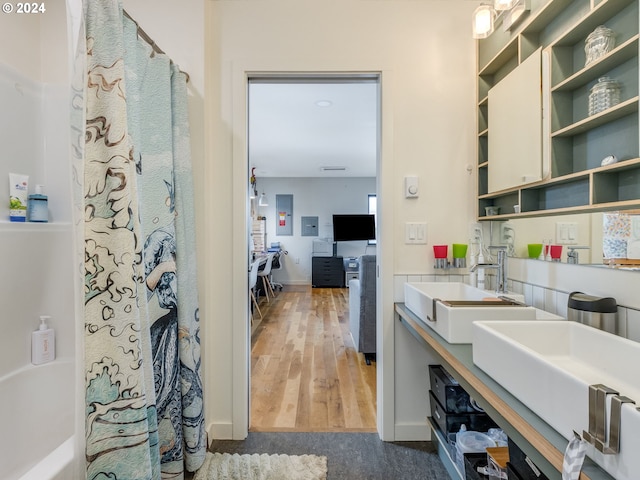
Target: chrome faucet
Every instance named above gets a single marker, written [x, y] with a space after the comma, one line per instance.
[572, 254]
[501, 268]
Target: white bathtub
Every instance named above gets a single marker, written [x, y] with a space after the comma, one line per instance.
[37, 423]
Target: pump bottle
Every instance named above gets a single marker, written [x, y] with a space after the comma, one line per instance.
[43, 343]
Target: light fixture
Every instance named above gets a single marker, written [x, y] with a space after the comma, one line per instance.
[262, 201]
[483, 18]
[504, 4]
[507, 12]
[324, 103]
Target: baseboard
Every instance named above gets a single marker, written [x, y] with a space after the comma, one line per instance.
[295, 282]
[412, 432]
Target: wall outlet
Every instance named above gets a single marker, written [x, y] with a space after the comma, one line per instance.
[475, 233]
[507, 234]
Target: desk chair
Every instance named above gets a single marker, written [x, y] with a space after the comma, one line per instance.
[253, 280]
[265, 273]
[277, 265]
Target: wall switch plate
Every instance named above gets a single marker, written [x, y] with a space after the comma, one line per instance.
[566, 233]
[411, 187]
[415, 233]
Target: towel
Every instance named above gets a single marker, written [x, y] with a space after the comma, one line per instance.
[574, 458]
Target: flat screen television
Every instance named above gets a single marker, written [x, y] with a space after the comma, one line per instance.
[347, 227]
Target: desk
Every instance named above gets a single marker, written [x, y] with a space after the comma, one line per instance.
[261, 258]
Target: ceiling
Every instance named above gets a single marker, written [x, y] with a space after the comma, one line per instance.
[313, 127]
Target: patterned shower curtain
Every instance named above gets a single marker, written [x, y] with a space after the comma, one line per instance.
[144, 399]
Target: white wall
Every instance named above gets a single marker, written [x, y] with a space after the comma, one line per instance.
[426, 57]
[38, 262]
[178, 29]
[35, 92]
[318, 197]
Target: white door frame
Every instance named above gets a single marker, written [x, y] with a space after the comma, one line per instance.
[241, 341]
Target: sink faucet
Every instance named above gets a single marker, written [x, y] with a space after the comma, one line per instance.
[501, 268]
[572, 254]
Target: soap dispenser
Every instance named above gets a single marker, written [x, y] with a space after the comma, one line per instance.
[43, 343]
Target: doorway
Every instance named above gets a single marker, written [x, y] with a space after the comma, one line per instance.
[311, 135]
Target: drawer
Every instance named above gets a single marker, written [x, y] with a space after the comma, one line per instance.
[327, 280]
[329, 262]
[449, 393]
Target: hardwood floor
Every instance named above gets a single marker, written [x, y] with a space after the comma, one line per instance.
[306, 375]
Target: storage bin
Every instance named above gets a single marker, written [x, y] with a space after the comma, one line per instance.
[473, 461]
[522, 465]
[512, 474]
[451, 422]
[471, 442]
[449, 393]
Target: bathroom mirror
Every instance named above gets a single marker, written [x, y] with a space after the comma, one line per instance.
[588, 227]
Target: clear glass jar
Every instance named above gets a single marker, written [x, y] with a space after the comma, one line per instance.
[599, 42]
[604, 94]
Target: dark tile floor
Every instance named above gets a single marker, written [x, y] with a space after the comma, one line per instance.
[352, 456]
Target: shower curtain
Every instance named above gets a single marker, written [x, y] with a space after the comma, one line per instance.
[144, 398]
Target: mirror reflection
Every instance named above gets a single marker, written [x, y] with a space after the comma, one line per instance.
[610, 239]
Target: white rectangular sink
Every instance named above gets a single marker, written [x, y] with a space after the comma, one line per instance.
[549, 366]
[453, 320]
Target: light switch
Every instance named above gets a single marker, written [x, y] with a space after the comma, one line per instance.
[415, 233]
[566, 233]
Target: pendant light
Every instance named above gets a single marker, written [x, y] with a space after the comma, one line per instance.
[483, 18]
[504, 4]
[262, 201]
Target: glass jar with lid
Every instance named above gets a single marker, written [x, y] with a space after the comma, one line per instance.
[599, 42]
[603, 95]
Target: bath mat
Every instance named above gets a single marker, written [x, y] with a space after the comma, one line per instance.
[226, 466]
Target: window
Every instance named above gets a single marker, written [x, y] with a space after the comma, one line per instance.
[373, 204]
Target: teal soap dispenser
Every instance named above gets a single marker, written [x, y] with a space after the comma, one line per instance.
[38, 206]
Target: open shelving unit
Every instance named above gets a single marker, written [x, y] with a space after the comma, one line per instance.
[574, 142]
